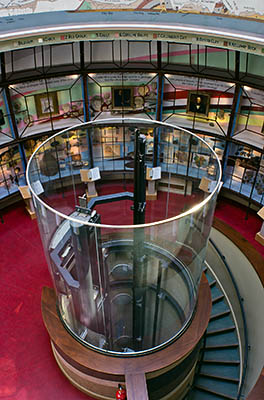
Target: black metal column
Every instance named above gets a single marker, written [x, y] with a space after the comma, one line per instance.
[139, 179]
[139, 257]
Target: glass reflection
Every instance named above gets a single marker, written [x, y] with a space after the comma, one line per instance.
[125, 240]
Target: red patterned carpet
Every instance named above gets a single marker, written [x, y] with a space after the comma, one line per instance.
[28, 370]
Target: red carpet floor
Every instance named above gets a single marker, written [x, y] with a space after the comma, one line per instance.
[28, 370]
[235, 215]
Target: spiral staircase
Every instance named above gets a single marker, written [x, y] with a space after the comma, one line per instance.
[220, 368]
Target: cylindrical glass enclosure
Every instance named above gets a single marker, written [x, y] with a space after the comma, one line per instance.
[124, 208]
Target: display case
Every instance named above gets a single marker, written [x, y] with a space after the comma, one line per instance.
[196, 103]
[12, 173]
[119, 93]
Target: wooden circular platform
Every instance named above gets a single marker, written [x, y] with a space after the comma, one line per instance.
[98, 374]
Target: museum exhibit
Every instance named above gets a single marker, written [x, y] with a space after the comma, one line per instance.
[132, 200]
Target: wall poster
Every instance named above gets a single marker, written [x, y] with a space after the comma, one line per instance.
[46, 104]
[198, 103]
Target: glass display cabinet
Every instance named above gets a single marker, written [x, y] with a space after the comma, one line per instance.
[124, 208]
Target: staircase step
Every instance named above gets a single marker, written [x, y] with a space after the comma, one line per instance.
[225, 371]
[224, 322]
[209, 275]
[222, 346]
[224, 388]
[215, 292]
[220, 331]
[219, 377]
[197, 394]
[222, 362]
[219, 315]
[212, 391]
[220, 306]
[218, 298]
[227, 338]
[212, 283]
[222, 353]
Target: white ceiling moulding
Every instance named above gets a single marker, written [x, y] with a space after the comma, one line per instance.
[63, 33]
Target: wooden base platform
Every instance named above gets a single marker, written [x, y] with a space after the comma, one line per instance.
[99, 375]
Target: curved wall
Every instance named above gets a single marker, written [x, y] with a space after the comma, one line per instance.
[165, 69]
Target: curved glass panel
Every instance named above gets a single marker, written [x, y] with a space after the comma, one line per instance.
[125, 208]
